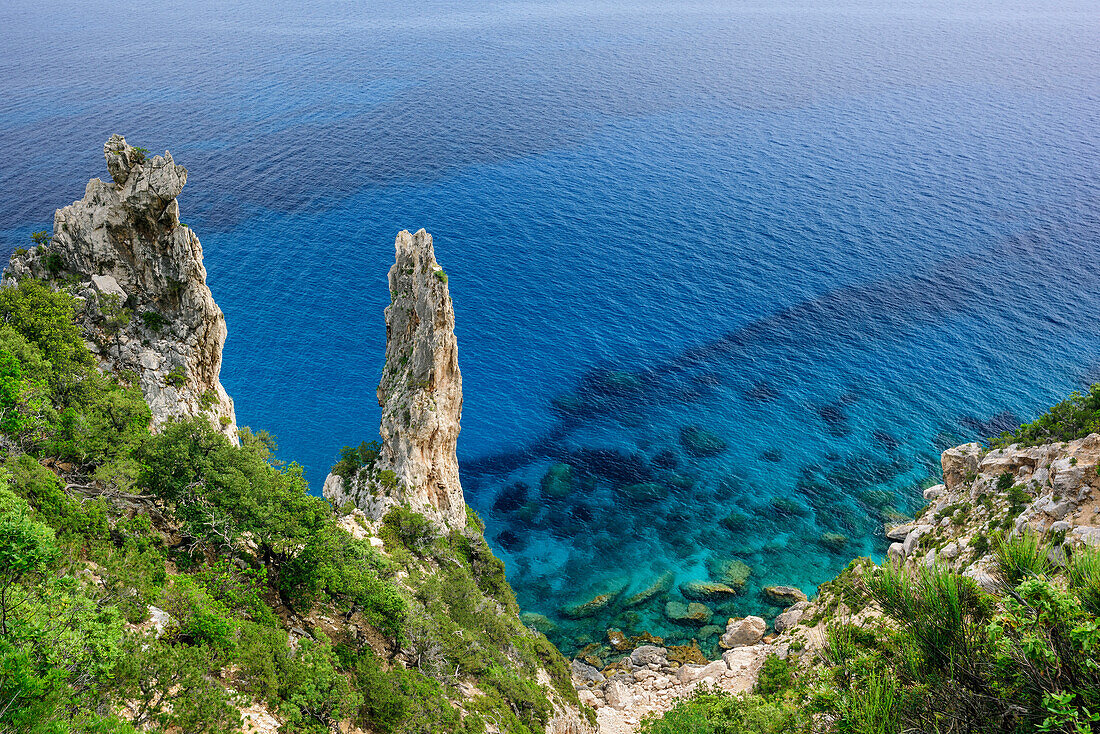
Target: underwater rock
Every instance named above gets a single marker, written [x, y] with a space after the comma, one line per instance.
[885, 440]
[730, 571]
[784, 507]
[773, 455]
[735, 521]
[645, 492]
[701, 443]
[558, 481]
[743, 632]
[617, 640]
[593, 606]
[660, 586]
[511, 541]
[692, 613]
[710, 630]
[707, 591]
[995, 426]
[785, 595]
[835, 542]
[614, 383]
[666, 459]
[567, 404]
[538, 621]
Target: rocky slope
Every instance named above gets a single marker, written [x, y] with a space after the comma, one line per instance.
[420, 394]
[1052, 490]
[138, 273]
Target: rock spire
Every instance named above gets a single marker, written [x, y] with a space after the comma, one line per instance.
[139, 280]
[420, 394]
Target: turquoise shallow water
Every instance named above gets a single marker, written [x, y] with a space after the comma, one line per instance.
[835, 236]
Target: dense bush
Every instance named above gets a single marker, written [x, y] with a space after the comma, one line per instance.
[1075, 417]
[75, 568]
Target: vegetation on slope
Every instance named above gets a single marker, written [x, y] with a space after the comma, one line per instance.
[944, 656]
[258, 594]
[1075, 417]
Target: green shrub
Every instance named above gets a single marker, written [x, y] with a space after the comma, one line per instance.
[154, 321]
[440, 275]
[1021, 557]
[176, 377]
[407, 528]
[1084, 578]
[713, 711]
[315, 694]
[775, 677]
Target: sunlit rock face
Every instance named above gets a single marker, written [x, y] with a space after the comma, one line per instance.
[420, 394]
[139, 280]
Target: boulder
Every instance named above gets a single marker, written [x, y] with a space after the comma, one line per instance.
[743, 632]
[707, 591]
[785, 595]
[585, 674]
[108, 286]
[934, 492]
[960, 463]
[898, 532]
[649, 655]
[693, 613]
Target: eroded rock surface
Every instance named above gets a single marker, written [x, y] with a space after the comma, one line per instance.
[137, 274]
[420, 394]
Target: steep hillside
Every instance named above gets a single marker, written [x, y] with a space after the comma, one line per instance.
[159, 574]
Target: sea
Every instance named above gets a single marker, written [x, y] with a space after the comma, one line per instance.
[728, 275]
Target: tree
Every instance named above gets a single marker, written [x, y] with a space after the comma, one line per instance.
[28, 551]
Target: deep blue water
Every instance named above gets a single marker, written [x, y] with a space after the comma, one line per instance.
[838, 236]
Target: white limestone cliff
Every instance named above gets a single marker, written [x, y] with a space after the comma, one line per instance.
[420, 394]
[138, 277]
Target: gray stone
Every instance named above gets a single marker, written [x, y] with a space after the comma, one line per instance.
[896, 552]
[898, 532]
[108, 286]
[126, 234]
[1060, 527]
[649, 654]
[932, 493]
[743, 632]
[585, 674]
[787, 620]
[785, 594]
[949, 551]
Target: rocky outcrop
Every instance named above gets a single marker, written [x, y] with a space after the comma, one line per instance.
[420, 394]
[647, 682]
[1051, 490]
[139, 280]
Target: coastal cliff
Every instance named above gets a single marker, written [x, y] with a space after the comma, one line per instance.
[420, 393]
[137, 276]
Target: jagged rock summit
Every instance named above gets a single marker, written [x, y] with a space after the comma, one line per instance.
[420, 394]
[138, 276]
